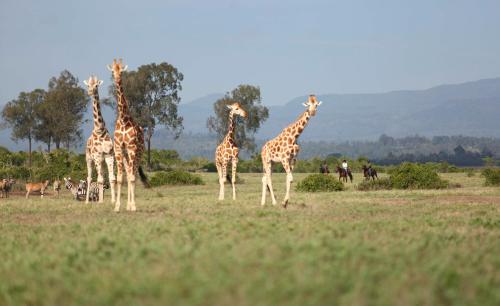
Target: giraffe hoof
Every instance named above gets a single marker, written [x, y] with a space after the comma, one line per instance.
[116, 210]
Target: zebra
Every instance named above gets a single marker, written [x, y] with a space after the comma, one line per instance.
[75, 190]
[93, 190]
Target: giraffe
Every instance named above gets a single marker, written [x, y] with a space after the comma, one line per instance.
[284, 149]
[129, 142]
[99, 145]
[228, 151]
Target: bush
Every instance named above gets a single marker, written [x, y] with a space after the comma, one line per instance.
[175, 178]
[492, 177]
[319, 183]
[415, 176]
[380, 184]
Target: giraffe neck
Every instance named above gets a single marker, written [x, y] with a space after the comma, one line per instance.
[230, 132]
[122, 102]
[301, 123]
[98, 120]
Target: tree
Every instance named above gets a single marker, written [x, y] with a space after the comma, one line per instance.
[152, 93]
[249, 98]
[62, 114]
[20, 115]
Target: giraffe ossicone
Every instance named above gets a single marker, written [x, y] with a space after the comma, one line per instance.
[284, 149]
[227, 151]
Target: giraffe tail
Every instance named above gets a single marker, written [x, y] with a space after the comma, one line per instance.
[144, 178]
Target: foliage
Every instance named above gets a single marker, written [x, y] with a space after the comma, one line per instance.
[492, 176]
[63, 110]
[378, 184]
[176, 177]
[319, 183]
[416, 176]
[20, 115]
[153, 96]
[250, 100]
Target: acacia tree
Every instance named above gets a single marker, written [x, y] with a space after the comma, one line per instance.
[61, 116]
[249, 98]
[153, 96]
[20, 115]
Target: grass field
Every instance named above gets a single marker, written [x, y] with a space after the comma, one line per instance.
[183, 247]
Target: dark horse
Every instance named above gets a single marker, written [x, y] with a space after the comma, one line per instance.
[369, 172]
[324, 169]
[343, 174]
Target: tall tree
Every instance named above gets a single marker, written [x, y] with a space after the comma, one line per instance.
[249, 98]
[153, 95]
[20, 115]
[63, 112]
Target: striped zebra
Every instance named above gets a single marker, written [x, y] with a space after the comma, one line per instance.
[75, 189]
[93, 190]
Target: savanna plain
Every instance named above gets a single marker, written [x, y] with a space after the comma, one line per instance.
[183, 247]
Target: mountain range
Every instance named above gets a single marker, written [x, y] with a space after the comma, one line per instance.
[471, 108]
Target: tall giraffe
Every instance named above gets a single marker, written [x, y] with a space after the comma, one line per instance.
[284, 149]
[228, 151]
[99, 145]
[129, 142]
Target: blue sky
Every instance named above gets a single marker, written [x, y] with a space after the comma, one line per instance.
[288, 48]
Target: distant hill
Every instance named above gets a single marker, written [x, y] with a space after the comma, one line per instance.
[471, 108]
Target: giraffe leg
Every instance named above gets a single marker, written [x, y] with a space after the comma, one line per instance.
[119, 177]
[266, 181]
[221, 181]
[289, 179]
[131, 170]
[233, 176]
[89, 176]
[100, 181]
[111, 174]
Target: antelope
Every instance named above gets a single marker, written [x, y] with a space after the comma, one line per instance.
[30, 187]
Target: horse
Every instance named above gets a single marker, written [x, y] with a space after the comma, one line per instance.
[369, 172]
[343, 174]
[323, 169]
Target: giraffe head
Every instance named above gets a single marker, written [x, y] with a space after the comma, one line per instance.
[117, 68]
[235, 108]
[312, 104]
[92, 84]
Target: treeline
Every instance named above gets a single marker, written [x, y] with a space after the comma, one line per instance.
[472, 151]
[52, 116]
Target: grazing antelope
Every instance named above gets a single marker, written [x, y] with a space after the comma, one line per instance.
[30, 187]
[5, 187]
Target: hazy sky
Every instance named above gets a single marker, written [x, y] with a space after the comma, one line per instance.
[288, 48]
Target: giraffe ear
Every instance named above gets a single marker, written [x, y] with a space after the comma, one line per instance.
[100, 82]
[319, 103]
[229, 106]
[109, 67]
[85, 82]
[125, 68]
[305, 104]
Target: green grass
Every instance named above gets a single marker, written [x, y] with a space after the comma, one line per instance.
[183, 247]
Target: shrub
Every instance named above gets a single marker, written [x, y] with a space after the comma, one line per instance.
[380, 184]
[415, 176]
[176, 177]
[492, 177]
[319, 183]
